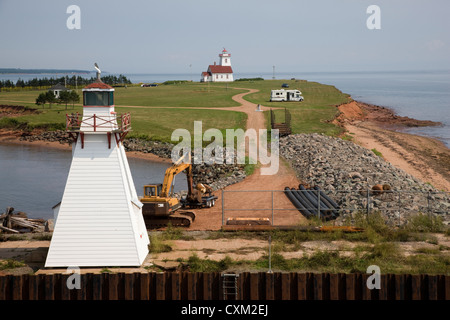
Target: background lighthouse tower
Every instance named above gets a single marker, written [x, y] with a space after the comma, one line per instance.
[225, 58]
[99, 221]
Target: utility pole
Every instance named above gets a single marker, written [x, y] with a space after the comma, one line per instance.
[273, 70]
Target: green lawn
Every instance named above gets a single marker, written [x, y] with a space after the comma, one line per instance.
[308, 116]
[165, 103]
[186, 95]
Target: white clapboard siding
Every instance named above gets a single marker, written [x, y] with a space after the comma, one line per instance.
[99, 221]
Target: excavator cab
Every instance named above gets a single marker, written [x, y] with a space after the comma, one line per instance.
[152, 190]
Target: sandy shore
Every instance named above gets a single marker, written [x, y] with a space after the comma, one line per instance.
[379, 128]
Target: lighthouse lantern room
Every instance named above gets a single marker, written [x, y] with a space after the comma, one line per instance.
[99, 220]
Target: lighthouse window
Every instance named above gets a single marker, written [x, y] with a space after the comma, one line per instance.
[95, 98]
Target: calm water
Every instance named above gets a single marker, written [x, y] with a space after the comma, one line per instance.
[32, 178]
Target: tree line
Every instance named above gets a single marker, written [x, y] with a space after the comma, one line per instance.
[68, 81]
[64, 97]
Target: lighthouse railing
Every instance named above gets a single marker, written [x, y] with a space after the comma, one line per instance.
[95, 123]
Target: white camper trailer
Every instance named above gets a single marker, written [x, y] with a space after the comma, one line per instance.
[286, 95]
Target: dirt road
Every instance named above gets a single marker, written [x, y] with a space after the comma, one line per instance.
[253, 197]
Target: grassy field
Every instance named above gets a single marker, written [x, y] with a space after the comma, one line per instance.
[157, 111]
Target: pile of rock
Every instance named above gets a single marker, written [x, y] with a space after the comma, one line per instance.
[53, 136]
[347, 173]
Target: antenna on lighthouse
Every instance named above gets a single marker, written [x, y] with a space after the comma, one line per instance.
[98, 71]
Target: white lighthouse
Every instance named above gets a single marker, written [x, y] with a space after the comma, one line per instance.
[99, 220]
[221, 72]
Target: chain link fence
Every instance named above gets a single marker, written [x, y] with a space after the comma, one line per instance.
[275, 205]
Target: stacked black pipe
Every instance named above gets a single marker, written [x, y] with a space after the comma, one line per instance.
[306, 200]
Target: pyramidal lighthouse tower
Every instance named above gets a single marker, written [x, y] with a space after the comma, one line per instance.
[99, 220]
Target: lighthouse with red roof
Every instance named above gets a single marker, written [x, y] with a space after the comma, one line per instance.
[221, 72]
[99, 220]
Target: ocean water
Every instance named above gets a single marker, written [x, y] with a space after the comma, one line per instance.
[33, 178]
[423, 95]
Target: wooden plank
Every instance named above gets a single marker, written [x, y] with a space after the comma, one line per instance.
[399, 281]
[301, 286]
[144, 286]
[49, 287]
[3, 285]
[447, 287]
[416, 287]
[128, 286]
[254, 286]
[207, 286]
[191, 286]
[270, 286]
[65, 293]
[285, 286]
[97, 286]
[350, 285]
[160, 286]
[337, 288]
[16, 287]
[113, 286]
[8, 229]
[432, 287]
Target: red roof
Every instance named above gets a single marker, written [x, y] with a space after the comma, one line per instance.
[98, 85]
[220, 69]
[205, 74]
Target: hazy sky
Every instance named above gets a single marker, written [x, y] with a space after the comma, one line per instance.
[167, 36]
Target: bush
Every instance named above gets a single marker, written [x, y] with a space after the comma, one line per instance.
[195, 264]
[9, 123]
[250, 79]
[425, 223]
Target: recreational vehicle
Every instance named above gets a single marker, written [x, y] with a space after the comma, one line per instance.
[286, 95]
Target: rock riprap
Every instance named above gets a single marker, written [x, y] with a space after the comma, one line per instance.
[347, 173]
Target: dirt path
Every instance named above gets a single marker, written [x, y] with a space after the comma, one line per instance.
[255, 192]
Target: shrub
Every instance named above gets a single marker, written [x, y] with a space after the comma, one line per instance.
[425, 223]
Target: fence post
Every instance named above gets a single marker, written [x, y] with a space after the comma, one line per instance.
[368, 200]
[272, 209]
[223, 217]
[318, 203]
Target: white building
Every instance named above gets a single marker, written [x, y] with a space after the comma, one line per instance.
[57, 88]
[221, 72]
[99, 221]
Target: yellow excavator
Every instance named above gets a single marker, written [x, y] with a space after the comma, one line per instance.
[161, 206]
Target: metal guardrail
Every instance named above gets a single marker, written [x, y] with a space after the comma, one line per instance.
[367, 199]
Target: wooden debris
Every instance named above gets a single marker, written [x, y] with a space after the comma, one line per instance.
[16, 223]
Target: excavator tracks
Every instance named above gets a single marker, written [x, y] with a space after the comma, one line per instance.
[179, 219]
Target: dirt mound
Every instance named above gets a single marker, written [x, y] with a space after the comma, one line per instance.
[14, 111]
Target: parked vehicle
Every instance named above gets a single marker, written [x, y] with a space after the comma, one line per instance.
[286, 95]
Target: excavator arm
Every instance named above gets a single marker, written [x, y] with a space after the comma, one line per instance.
[175, 169]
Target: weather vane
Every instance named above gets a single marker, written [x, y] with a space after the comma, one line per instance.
[98, 71]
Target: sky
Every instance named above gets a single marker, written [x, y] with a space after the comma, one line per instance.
[185, 36]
